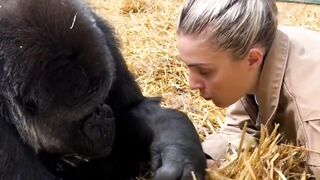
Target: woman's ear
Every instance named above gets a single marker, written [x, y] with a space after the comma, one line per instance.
[255, 57]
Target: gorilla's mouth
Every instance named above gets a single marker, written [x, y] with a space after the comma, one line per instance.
[99, 128]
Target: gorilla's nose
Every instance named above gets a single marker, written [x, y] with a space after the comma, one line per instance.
[104, 110]
[100, 127]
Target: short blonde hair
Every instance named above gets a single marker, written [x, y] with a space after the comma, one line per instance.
[234, 25]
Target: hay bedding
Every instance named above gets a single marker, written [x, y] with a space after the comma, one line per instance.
[146, 29]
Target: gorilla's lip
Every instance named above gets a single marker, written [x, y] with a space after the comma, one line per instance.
[105, 152]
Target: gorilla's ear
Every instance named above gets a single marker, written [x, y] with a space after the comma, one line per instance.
[61, 42]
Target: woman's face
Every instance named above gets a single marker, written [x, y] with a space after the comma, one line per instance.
[216, 74]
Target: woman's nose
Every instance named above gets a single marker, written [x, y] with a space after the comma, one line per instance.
[194, 82]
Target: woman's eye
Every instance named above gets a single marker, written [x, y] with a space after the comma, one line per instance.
[204, 72]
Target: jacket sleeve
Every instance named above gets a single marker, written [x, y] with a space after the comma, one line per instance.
[230, 133]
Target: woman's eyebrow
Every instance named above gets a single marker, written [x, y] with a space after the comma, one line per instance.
[197, 64]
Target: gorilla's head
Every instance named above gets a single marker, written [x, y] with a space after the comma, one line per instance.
[58, 71]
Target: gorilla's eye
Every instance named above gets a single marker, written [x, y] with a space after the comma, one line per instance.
[94, 85]
[31, 107]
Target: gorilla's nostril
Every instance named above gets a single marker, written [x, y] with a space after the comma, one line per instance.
[97, 112]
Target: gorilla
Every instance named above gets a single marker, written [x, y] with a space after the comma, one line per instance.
[70, 109]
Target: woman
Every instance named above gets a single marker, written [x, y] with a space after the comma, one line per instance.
[238, 58]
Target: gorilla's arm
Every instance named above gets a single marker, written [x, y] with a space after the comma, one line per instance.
[17, 160]
[176, 150]
[175, 147]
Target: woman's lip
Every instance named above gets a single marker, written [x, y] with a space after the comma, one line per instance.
[206, 98]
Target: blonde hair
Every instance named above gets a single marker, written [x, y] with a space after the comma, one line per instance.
[234, 25]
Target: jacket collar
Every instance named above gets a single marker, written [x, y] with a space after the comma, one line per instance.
[271, 78]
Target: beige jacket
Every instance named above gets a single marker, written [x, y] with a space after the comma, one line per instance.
[288, 94]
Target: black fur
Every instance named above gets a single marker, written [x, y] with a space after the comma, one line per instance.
[70, 108]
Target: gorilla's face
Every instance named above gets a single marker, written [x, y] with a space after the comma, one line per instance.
[58, 105]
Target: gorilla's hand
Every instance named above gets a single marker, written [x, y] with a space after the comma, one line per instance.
[176, 151]
[173, 163]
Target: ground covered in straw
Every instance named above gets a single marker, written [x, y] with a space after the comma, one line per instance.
[146, 29]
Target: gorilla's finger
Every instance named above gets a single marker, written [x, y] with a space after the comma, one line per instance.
[170, 171]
